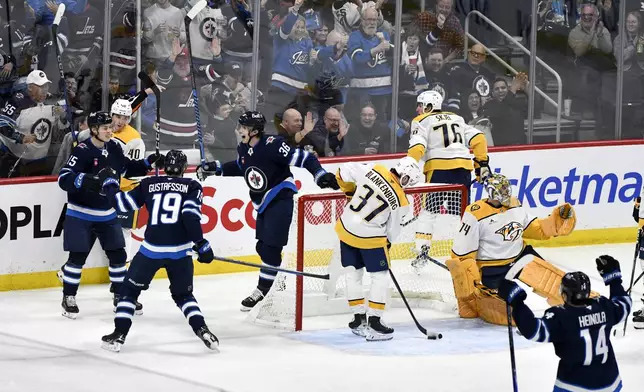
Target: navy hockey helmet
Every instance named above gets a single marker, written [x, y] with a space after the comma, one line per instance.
[176, 163]
[575, 288]
[253, 119]
[96, 119]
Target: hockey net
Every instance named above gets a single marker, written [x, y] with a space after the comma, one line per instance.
[314, 247]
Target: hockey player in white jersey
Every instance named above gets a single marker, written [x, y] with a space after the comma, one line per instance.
[368, 225]
[489, 247]
[638, 215]
[443, 141]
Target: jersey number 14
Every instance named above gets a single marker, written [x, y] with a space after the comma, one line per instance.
[600, 348]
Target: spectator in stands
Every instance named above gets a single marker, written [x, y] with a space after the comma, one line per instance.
[326, 138]
[114, 92]
[220, 137]
[26, 127]
[162, 23]
[474, 107]
[590, 35]
[332, 60]
[123, 42]
[369, 136]
[507, 111]
[44, 10]
[442, 29]
[292, 49]
[77, 108]
[412, 70]
[438, 80]
[632, 39]
[370, 52]
[291, 127]
[473, 75]
[68, 143]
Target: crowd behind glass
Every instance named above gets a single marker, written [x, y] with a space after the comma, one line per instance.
[327, 72]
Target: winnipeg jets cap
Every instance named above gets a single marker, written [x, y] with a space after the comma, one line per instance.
[38, 78]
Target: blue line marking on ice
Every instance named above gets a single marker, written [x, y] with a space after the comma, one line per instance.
[460, 336]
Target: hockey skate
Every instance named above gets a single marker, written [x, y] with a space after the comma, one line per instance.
[422, 259]
[208, 338]
[249, 302]
[70, 309]
[359, 324]
[138, 310]
[377, 330]
[638, 321]
[113, 341]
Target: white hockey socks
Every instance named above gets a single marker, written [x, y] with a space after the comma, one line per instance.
[378, 293]
[355, 292]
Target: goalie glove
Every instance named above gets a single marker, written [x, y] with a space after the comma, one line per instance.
[566, 211]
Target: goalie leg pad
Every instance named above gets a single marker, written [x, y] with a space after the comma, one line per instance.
[560, 222]
[464, 274]
[355, 293]
[378, 293]
[544, 278]
[492, 309]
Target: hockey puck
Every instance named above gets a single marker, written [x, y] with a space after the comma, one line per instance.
[434, 336]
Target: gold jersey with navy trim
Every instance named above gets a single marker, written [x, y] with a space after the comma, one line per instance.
[133, 147]
[378, 204]
[493, 236]
[443, 140]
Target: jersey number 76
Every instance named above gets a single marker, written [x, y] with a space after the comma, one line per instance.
[450, 134]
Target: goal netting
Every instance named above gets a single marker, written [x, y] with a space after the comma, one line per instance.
[314, 247]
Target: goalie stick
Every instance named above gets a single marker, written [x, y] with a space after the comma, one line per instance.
[430, 335]
[147, 82]
[637, 249]
[61, 82]
[196, 9]
[271, 268]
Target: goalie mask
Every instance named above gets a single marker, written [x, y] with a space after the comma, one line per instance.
[408, 172]
[498, 188]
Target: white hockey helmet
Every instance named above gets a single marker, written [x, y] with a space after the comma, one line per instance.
[122, 107]
[408, 171]
[430, 97]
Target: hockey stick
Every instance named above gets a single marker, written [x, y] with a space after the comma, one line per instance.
[634, 283]
[423, 330]
[637, 249]
[271, 268]
[147, 82]
[9, 28]
[438, 263]
[68, 107]
[187, 20]
[515, 384]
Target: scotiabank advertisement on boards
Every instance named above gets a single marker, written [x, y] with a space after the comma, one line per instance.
[601, 182]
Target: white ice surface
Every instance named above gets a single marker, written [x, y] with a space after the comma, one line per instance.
[42, 351]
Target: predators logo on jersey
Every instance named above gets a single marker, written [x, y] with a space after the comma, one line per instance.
[511, 232]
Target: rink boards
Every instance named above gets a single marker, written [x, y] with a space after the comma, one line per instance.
[601, 180]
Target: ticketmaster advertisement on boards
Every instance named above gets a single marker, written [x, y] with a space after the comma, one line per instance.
[601, 183]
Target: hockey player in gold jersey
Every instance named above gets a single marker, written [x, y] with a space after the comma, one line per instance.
[366, 228]
[489, 247]
[443, 141]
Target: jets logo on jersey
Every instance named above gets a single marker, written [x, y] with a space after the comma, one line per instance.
[380, 58]
[270, 139]
[256, 179]
[190, 103]
[511, 232]
[482, 85]
[208, 28]
[439, 88]
[41, 129]
[87, 29]
[299, 57]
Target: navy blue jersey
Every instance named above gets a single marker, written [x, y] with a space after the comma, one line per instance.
[581, 336]
[87, 159]
[266, 168]
[174, 207]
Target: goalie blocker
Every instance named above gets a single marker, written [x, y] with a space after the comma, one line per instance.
[490, 247]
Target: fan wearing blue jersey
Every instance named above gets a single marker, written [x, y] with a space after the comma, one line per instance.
[265, 163]
[173, 231]
[579, 329]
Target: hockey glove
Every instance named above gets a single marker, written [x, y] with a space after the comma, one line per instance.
[328, 180]
[204, 251]
[608, 268]
[87, 182]
[108, 177]
[482, 171]
[208, 169]
[511, 292]
[155, 160]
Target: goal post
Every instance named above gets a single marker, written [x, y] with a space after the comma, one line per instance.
[314, 247]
